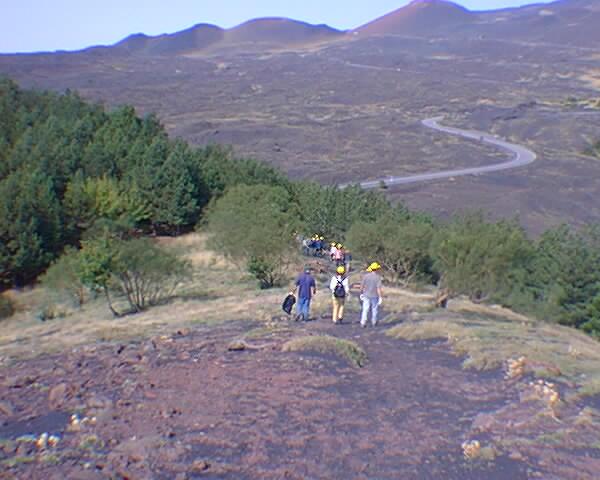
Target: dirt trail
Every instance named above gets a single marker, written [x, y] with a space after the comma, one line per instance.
[184, 407]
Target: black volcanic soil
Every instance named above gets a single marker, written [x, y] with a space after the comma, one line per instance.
[351, 109]
[183, 406]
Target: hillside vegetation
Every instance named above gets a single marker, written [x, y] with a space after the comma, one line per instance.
[75, 175]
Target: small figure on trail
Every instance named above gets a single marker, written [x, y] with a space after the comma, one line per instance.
[320, 246]
[347, 259]
[306, 287]
[339, 255]
[332, 251]
[371, 294]
[339, 290]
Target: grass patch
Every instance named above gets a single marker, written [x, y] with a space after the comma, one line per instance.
[488, 340]
[266, 332]
[16, 461]
[345, 349]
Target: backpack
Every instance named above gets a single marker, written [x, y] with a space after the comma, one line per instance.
[288, 303]
[339, 291]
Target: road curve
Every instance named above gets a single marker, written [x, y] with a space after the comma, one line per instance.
[521, 156]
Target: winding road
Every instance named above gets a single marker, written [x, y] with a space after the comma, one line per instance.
[521, 156]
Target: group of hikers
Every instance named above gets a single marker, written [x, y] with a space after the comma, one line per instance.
[316, 246]
[371, 294]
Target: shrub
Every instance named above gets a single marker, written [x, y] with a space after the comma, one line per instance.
[254, 226]
[481, 259]
[399, 244]
[63, 277]
[145, 273]
[7, 308]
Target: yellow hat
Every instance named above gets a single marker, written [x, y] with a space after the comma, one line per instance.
[374, 266]
[341, 269]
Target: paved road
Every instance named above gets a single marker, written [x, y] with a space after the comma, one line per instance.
[521, 156]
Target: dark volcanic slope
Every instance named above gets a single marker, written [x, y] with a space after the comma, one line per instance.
[280, 31]
[253, 35]
[199, 37]
[350, 109]
[574, 22]
[420, 17]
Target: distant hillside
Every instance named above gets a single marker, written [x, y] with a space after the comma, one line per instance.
[574, 22]
[280, 31]
[420, 17]
[198, 37]
[273, 32]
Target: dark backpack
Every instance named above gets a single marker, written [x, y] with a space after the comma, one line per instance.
[339, 291]
[288, 304]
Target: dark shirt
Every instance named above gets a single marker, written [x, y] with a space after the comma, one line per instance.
[305, 283]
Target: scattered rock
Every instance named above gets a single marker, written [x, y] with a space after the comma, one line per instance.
[58, 395]
[20, 382]
[84, 475]
[237, 346]
[99, 402]
[200, 466]
[6, 409]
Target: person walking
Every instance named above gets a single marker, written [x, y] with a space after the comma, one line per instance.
[332, 251]
[371, 294]
[306, 287]
[340, 289]
[338, 256]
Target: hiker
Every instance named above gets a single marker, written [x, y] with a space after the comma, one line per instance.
[338, 256]
[306, 246]
[339, 291]
[347, 259]
[332, 251]
[306, 288]
[370, 294]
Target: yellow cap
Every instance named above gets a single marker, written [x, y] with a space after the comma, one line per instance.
[374, 266]
[341, 269]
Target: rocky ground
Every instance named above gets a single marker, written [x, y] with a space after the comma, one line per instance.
[227, 402]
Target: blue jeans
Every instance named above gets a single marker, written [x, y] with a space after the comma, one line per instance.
[369, 304]
[303, 307]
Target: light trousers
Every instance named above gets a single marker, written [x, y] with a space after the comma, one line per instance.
[338, 308]
[371, 304]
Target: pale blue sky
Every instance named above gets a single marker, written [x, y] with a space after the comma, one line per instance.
[47, 25]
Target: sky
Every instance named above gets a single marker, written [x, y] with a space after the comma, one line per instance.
[48, 25]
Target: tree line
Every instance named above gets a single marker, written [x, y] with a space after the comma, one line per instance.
[87, 184]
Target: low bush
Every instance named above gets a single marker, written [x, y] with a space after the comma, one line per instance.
[7, 308]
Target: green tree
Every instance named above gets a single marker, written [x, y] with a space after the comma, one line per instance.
[63, 277]
[481, 259]
[254, 225]
[400, 244]
[147, 274]
[30, 226]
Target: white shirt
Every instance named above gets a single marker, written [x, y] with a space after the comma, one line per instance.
[334, 282]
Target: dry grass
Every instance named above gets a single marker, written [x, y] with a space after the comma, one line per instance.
[216, 292]
[487, 338]
[345, 349]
